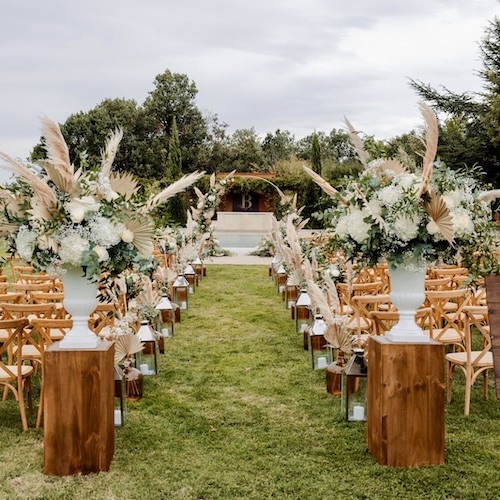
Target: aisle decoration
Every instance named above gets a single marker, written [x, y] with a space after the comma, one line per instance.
[93, 221]
[412, 219]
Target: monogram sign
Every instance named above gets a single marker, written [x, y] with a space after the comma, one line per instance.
[245, 202]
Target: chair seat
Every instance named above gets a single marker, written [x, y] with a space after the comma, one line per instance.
[460, 358]
[28, 351]
[25, 371]
[450, 336]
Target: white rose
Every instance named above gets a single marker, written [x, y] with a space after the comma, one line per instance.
[432, 227]
[127, 236]
[462, 223]
[453, 198]
[211, 197]
[77, 214]
[335, 272]
[389, 195]
[102, 253]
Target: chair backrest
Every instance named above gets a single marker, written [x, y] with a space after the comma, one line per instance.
[15, 329]
[383, 321]
[476, 320]
[29, 288]
[346, 292]
[363, 305]
[45, 297]
[50, 330]
[104, 315]
[13, 298]
[446, 318]
[438, 284]
[15, 311]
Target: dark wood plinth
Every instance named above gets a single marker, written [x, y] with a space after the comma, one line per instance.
[79, 434]
[406, 384]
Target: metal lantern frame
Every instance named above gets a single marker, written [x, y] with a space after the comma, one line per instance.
[198, 267]
[355, 387]
[291, 294]
[147, 359]
[165, 320]
[181, 292]
[318, 346]
[303, 312]
[120, 399]
[281, 278]
[190, 275]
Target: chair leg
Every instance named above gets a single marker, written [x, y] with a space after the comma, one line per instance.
[468, 384]
[485, 383]
[449, 381]
[22, 409]
[40, 408]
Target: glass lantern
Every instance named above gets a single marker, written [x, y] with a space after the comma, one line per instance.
[190, 276]
[354, 387]
[165, 320]
[273, 267]
[180, 292]
[120, 399]
[147, 359]
[291, 292]
[303, 313]
[317, 344]
[281, 279]
[198, 268]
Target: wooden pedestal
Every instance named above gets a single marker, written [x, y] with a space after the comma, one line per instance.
[78, 405]
[406, 396]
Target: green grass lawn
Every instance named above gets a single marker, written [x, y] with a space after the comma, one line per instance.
[237, 412]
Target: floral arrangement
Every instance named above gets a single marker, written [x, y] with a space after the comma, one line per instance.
[56, 217]
[407, 217]
[202, 229]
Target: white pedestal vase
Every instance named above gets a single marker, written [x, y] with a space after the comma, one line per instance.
[407, 294]
[80, 300]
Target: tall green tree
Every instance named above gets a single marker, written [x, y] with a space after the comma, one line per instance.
[315, 154]
[174, 96]
[279, 146]
[246, 151]
[174, 161]
[470, 134]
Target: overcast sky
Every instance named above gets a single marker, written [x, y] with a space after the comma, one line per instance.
[298, 65]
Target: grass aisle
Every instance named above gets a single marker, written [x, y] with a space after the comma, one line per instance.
[236, 412]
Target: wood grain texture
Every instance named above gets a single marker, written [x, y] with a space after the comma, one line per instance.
[78, 407]
[493, 300]
[406, 388]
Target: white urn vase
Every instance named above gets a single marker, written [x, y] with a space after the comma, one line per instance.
[407, 294]
[80, 300]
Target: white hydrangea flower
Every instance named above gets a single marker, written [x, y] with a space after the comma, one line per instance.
[407, 181]
[389, 195]
[342, 227]
[406, 228]
[105, 232]
[212, 198]
[71, 248]
[25, 243]
[462, 223]
[357, 227]
[374, 207]
[453, 198]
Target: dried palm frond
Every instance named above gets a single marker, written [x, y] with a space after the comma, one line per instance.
[318, 301]
[339, 334]
[58, 167]
[489, 196]
[174, 188]
[189, 227]
[199, 193]
[302, 224]
[127, 345]
[331, 292]
[148, 295]
[439, 213]
[308, 270]
[195, 214]
[431, 142]
[109, 153]
[38, 210]
[201, 246]
[392, 166]
[357, 142]
[324, 185]
[164, 275]
[6, 228]
[143, 229]
[124, 184]
[40, 188]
